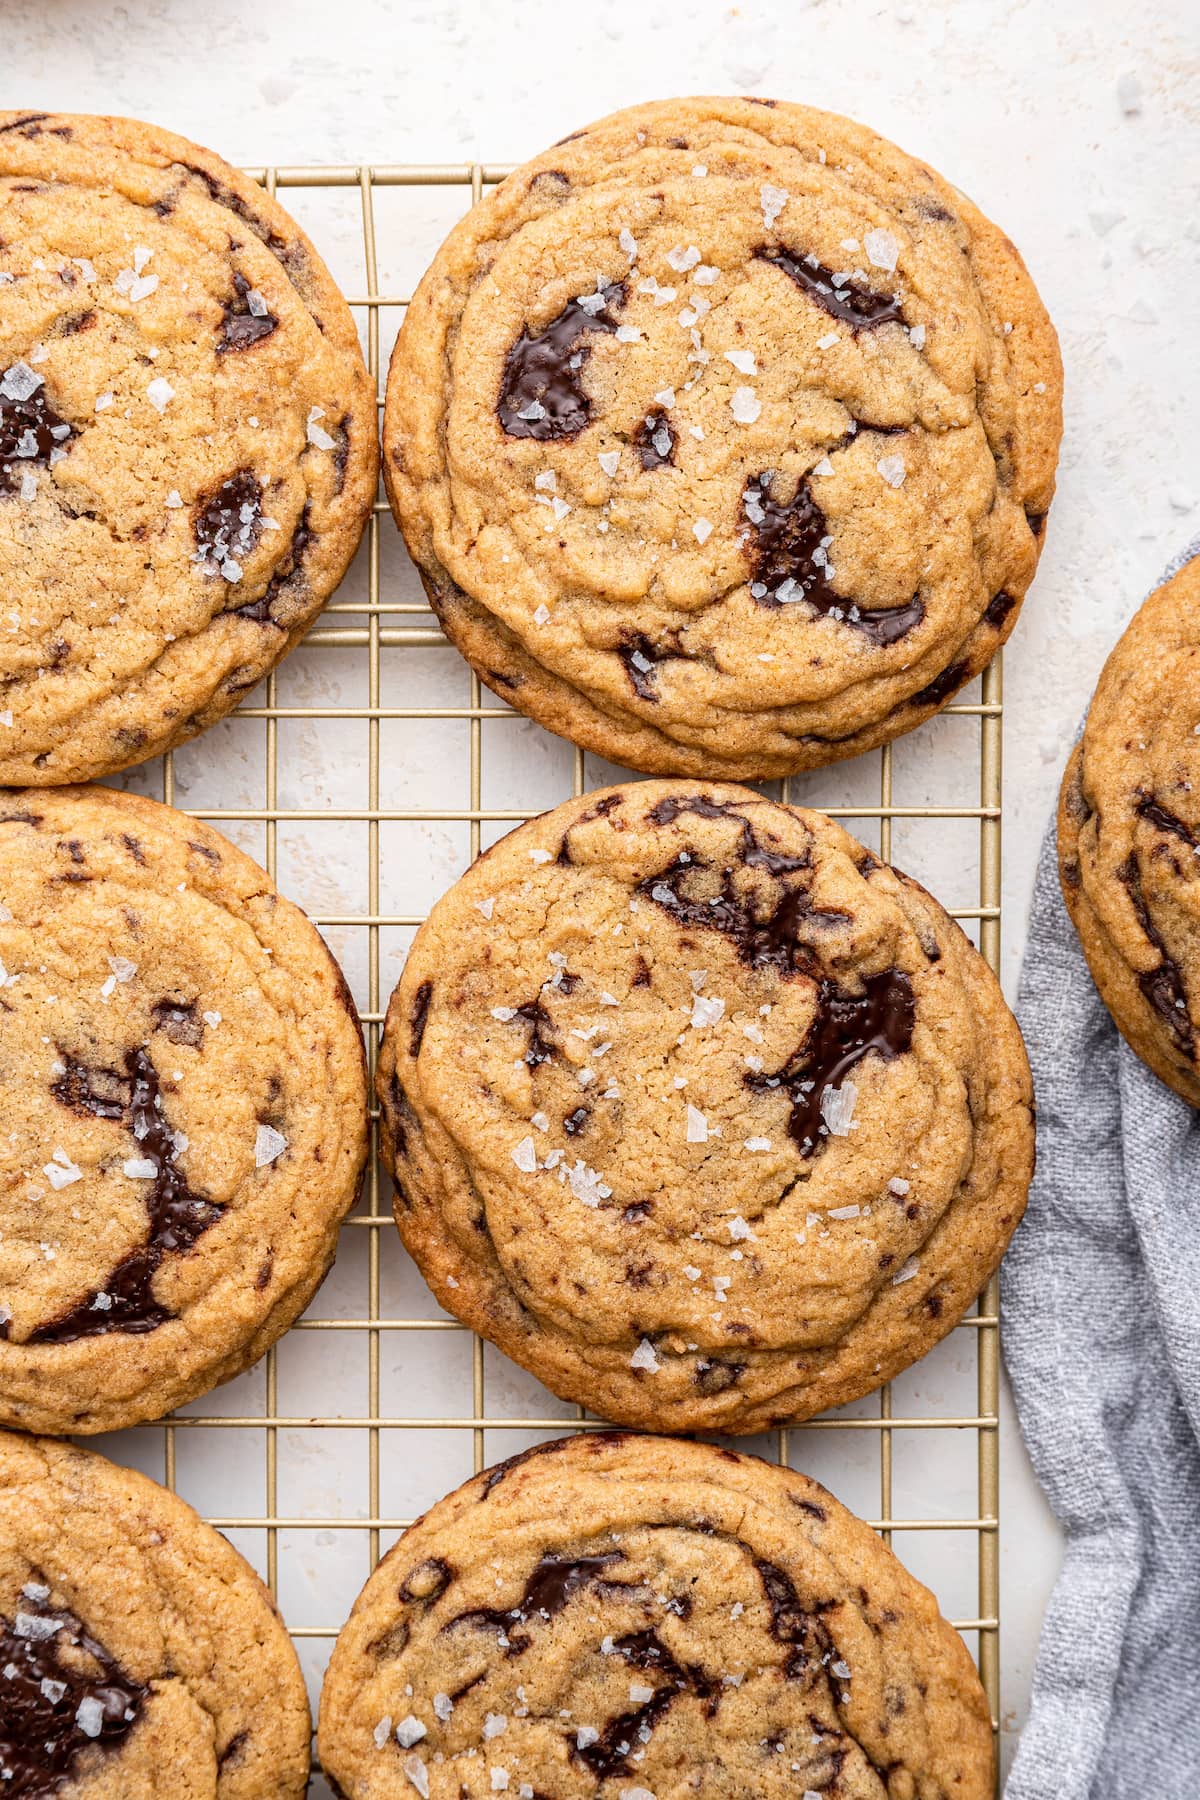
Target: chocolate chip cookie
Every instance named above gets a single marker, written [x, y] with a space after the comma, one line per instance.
[699, 1111]
[620, 1616]
[1129, 833]
[187, 441]
[140, 1656]
[723, 435]
[182, 1109]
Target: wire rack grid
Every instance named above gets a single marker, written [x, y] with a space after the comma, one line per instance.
[859, 1447]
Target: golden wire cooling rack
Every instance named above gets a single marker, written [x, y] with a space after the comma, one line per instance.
[366, 773]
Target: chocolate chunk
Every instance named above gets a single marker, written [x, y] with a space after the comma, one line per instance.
[712, 1376]
[942, 686]
[247, 320]
[855, 305]
[847, 1027]
[655, 441]
[178, 1217]
[788, 1618]
[102, 1093]
[641, 657]
[288, 574]
[541, 394]
[420, 1017]
[998, 608]
[56, 1680]
[227, 523]
[541, 1046]
[1163, 986]
[1156, 814]
[574, 1122]
[811, 1508]
[180, 1021]
[601, 810]
[790, 555]
[427, 1581]
[30, 429]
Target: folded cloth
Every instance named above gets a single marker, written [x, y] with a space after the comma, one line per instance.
[1101, 1329]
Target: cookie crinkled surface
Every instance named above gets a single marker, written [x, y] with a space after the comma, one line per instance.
[615, 1616]
[723, 435]
[188, 444]
[141, 1655]
[182, 1109]
[699, 1111]
[1129, 832]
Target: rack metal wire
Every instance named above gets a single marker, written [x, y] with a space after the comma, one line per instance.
[379, 623]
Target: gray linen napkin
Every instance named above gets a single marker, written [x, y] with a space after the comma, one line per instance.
[1101, 1331]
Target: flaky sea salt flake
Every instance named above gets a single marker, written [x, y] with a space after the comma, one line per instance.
[645, 1357]
[418, 1774]
[837, 1108]
[89, 1716]
[525, 1156]
[772, 200]
[881, 248]
[314, 433]
[268, 1144]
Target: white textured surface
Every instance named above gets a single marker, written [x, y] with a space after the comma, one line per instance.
[1026, 106]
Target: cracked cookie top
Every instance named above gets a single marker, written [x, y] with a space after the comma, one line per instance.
[700, 1111]
[723, 434]
[182, 1109]
[136, 1645]
[187, 441]
[1129, 832]
[599, 1614]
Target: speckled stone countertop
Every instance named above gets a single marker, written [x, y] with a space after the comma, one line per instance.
[1076, 126]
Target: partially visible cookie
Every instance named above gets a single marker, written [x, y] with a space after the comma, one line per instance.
[140, 1656]
[182, 1109]
[1129, 833]
[699, 1111]
[617, 1616]
[188, 446]
[723, 434]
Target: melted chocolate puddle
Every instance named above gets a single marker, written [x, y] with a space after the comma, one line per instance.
[847, 1027]
[48, 1698]
[859, 307]
[790, 557]
[30, 430]
[643, 1650]
[554, 1581]
[765, 929]
[177, 1216]
[541, 394]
